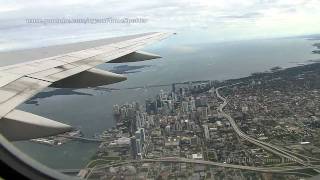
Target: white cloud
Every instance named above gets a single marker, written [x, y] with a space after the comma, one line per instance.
[7, 8]
[220, 19]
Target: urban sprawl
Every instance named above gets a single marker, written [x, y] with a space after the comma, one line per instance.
[264, 126]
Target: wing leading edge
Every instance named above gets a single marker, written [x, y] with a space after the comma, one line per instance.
[21, 81]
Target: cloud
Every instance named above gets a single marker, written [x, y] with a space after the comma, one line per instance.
[243, 16]
[184, 49]
[221, 19]
[8, 8]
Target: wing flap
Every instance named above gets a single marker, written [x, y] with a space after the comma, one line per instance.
[6, 78]
[17, 92]
[76, 65]
[33, 66]
[55, 70]
[106, 52]
[21, 81]
[59, 75]
[20, 125]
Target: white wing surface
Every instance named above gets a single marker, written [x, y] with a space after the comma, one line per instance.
[71, 69]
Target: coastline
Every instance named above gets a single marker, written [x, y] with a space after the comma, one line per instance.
[290, 71]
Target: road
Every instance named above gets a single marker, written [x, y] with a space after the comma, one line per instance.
[267, 146]
[298, 170]
[81, 138]
[284, 170]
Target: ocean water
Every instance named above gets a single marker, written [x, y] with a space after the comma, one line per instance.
[91, 109]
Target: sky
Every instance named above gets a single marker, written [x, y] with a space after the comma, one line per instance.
[201, 20]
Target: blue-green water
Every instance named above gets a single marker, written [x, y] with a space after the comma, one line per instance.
[181, 62]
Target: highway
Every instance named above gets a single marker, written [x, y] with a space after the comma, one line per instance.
[267, 146]
[305, 161]
[226, 165]
[81, 138]
[283, 170]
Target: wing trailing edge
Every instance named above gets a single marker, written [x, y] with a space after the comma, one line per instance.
[21, 125]
[72, 69]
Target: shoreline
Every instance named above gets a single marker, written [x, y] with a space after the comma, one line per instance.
[288, 71]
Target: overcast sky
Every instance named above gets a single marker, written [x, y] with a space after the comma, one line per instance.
[219, 20]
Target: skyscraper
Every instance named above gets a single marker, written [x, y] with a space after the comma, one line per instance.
[185, 106]
[192, 104]
[206, 131]
[151, 106]
[204, 112]
[173, 87]
[133, 146]
[142, 136]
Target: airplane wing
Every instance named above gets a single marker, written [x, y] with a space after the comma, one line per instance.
[75, 69]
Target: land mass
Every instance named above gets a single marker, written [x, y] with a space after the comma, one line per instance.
[126, 69]
[266, 122]
[317, 45]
